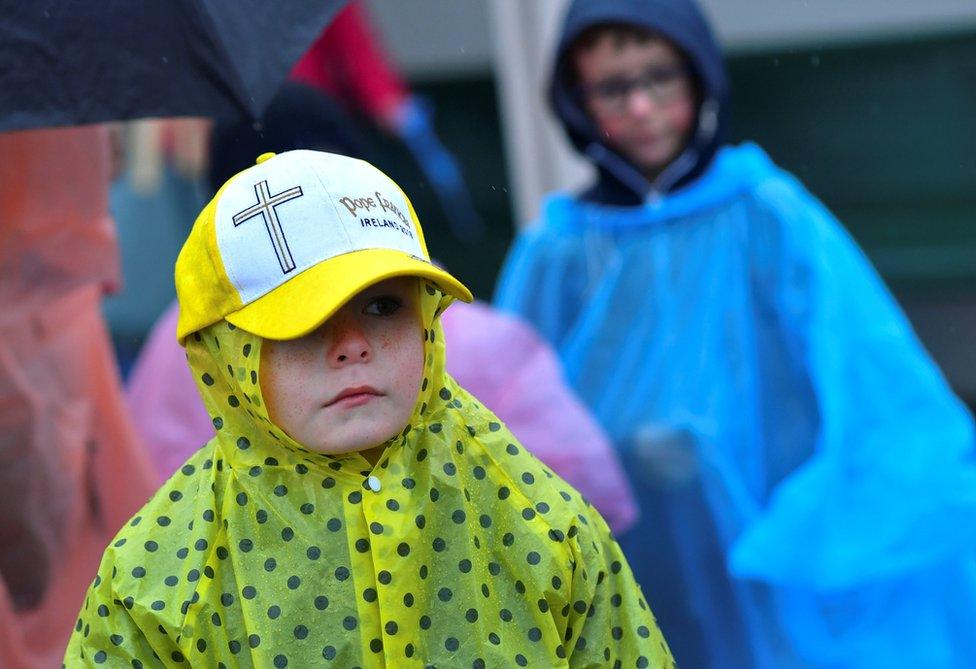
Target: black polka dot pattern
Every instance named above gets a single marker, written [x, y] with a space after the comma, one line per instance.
[469, 552]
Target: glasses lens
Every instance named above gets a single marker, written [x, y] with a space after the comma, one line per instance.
[661, 84]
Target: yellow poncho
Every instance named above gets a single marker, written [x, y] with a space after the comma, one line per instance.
[458, 549]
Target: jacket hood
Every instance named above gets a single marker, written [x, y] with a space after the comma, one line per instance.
[681, 22]
[225, 361]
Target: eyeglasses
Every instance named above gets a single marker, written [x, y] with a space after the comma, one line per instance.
[662, 84]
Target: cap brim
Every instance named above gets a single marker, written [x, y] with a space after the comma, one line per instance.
[305, 301]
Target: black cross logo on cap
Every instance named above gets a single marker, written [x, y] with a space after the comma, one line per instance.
[265, 208]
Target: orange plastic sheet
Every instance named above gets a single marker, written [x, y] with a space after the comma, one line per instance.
[71, 469]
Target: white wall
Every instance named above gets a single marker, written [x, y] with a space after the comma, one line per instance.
[752, 24]
[538, 155]
[434, 39]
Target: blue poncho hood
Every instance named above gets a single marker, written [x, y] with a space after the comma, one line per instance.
[681, 22]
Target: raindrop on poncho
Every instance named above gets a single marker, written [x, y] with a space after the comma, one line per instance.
[458, 549]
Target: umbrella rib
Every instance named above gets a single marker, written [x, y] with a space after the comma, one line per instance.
[239, 90]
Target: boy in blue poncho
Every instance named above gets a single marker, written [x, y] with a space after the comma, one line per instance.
[813, 471]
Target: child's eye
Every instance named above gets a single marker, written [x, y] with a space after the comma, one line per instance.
[386, 305]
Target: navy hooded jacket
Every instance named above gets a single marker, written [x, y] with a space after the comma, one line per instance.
[682, 23]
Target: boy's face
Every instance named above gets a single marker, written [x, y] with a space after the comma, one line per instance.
[641, 97]
[351, 384]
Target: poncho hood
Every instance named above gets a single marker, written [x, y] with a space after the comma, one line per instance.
[457, 549]
[681, 22]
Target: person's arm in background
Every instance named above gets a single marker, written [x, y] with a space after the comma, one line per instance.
[854, 539]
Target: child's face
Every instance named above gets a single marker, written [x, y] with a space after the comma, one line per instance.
[351, 384]
[640, 95]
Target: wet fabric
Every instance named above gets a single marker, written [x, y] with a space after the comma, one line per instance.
[457, 549]
[805, 474]
[71, 468]
[495, 357]
[56, 233]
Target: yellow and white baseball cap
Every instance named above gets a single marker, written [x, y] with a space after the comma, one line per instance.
[286, 242]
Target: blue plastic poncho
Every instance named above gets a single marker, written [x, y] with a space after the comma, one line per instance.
[776, 412]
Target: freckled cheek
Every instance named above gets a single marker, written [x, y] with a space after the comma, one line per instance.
[419, 365]
[285, 383]
[387, 342]
[610, 129]
[407, 354]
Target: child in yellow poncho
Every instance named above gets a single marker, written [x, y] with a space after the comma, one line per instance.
[357, 507]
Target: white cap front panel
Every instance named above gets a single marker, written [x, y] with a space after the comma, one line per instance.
[296, 209]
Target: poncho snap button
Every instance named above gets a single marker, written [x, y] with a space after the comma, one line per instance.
[373, 483]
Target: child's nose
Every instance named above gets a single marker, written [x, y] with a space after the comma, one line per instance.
[640, 102]
[349, 345]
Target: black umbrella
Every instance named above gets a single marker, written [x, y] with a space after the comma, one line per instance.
[70, 62]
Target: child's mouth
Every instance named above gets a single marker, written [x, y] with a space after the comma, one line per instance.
[354, 397]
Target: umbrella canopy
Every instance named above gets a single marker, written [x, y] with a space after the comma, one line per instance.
[69, 62]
